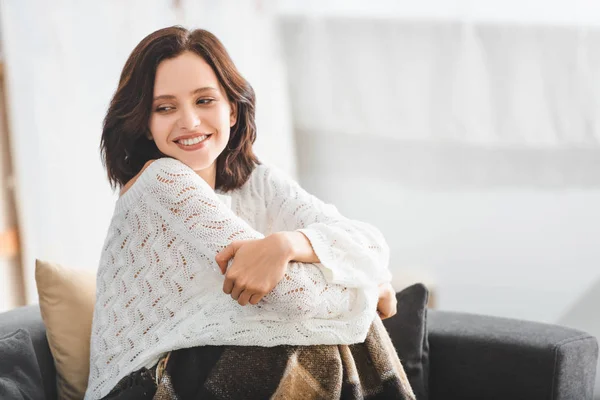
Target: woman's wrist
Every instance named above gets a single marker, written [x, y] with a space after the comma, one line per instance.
[297, 247]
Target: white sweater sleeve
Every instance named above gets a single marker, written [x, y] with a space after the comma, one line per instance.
[352, 253]
[193, 209]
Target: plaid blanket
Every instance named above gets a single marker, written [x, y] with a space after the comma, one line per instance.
[368, 370]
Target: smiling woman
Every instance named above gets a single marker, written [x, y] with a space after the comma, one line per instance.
[211, 256]
[178, 114]
[174, 83]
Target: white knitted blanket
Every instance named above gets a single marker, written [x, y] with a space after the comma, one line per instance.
[160, 289]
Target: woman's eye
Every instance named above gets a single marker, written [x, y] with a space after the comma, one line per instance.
[163, 108]
[204, 101]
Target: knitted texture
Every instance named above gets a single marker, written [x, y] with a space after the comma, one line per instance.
[159, 287]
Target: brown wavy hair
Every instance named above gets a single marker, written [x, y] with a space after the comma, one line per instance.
[124, 146]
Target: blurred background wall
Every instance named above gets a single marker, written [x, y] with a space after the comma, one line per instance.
[468, 131]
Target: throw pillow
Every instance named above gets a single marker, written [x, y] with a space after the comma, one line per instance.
[408, 331]
[20, 376]
[67, 299]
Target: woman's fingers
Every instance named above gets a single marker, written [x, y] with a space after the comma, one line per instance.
[244, 298]
[237, 291]
[387, 307]
[241, 294]
[256, 266]
[223, 257]
[228, 285]
[255, 298]
[387, 304]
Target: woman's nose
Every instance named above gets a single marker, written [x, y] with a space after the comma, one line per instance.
[189, 120]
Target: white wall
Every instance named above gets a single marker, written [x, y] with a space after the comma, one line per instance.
[490, 243]
[549, 12]
[517, 254]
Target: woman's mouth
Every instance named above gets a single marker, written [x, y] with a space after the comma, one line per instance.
[194, 143]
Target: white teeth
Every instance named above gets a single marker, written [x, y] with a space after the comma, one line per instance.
[190, 142]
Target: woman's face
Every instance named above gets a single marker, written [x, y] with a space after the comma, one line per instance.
[191, 116]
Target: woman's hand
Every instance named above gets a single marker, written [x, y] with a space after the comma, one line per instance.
[387, 304]
[257, 267]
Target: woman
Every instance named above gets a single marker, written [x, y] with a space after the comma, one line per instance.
[207, 246]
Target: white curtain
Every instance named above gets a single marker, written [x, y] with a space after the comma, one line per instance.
[63, 60]
[478, 84]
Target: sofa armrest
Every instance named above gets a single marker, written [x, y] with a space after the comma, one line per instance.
[482, 357]
[30, 319]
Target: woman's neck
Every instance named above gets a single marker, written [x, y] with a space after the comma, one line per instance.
[209, 174]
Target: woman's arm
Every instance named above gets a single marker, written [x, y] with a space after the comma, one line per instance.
[300, 248]
[351, 253]
[194, 210]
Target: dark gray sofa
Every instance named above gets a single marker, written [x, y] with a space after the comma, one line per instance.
[470, 357]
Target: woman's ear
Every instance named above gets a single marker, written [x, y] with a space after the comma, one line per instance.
[148, 135]
[233, 115]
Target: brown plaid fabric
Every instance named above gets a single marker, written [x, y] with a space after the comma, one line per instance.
[368, 370]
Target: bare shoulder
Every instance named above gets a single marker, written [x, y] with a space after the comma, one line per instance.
[132, 180]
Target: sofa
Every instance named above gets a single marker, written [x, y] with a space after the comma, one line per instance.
[466, 356]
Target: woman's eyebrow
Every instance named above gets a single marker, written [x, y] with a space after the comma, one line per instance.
[196, 91]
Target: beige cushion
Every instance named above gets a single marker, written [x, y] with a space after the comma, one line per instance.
[67, 299]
